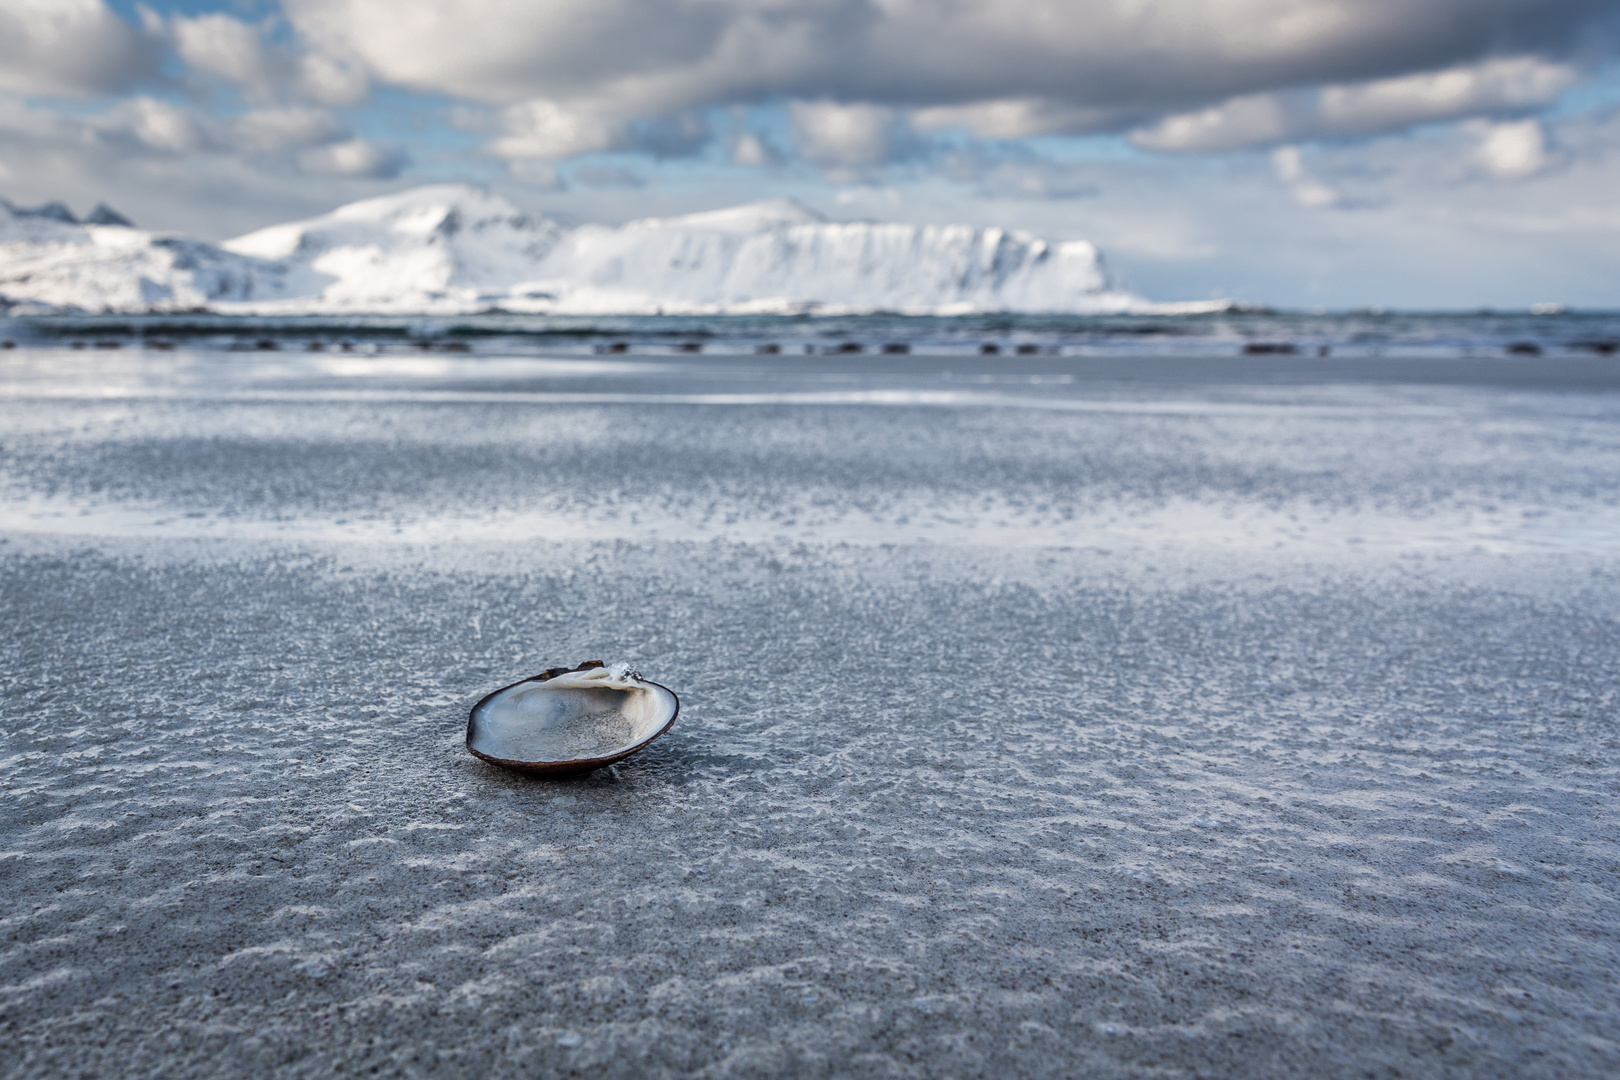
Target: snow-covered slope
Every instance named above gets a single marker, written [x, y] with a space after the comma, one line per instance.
[447, 247]
[46, 261]
[452, 248]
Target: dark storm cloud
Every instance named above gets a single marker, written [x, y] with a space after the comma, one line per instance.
[999, 67]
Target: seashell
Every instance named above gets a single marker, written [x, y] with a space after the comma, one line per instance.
[570, 720]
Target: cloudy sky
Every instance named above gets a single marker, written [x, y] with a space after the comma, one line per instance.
[1305, 153]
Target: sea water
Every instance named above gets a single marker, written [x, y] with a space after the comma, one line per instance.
[1170, 697]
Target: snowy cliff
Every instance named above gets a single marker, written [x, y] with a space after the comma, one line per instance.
[452, 249]
[779, 256]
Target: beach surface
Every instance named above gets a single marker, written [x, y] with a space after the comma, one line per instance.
[1040, 716]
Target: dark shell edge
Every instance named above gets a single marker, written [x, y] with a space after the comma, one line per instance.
[579, 765]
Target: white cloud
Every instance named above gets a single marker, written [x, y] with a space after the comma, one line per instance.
[1289, 165]
[828, 133]
[751, 151]
[1493, 87]
[557, 79]
[1514, 151]
[73, 47]
[312, 136]
[1502, 84]
[1251, 120]
[269, 131]
[551, 131]
[1019, 118]
[223, 48]
[536, 173]
[353, 158]
[158, 125]
[506, 51]
[331, 81]
[227, 49]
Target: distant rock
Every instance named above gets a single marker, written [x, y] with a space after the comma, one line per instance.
[51, 211]
[57, 211]
[106, 215]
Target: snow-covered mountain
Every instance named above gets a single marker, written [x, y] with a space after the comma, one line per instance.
[449, 249]
[779, 256]
[50, 260]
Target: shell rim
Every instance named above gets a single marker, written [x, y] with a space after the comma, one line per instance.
[571, 765]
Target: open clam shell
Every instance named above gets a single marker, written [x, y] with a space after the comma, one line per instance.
[570, 720]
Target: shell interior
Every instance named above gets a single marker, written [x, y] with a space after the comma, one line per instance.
[577, 716]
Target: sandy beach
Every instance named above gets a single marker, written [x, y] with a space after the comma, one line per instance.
[1040, 717]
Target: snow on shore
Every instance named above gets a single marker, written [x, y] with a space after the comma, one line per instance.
[448, 249]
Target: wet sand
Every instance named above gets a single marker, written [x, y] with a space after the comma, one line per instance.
[1039, 718]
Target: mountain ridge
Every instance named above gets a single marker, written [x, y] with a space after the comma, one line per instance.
[458, 249]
